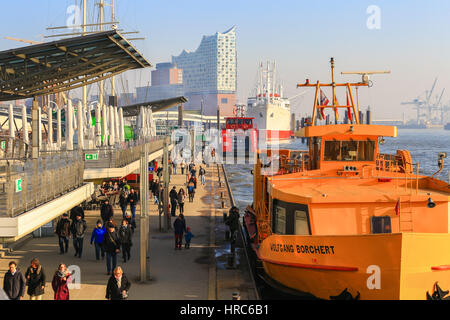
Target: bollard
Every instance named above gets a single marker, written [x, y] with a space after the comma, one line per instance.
[236, 296]
[221, 194]
[222, 203]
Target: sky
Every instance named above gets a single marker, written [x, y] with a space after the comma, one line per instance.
[408, 37]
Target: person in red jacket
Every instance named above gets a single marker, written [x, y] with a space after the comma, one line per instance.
[60, 281]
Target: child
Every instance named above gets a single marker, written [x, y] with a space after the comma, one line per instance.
[188, 236]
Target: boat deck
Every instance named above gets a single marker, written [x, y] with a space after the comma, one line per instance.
[351, 189]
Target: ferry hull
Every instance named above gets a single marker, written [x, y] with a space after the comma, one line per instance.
[371, 267]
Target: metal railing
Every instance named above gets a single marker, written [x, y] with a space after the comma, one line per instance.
[13, 148]
[121, 155]
[30, 183]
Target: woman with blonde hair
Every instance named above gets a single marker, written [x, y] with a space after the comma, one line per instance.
[60, 281]
[118, 285]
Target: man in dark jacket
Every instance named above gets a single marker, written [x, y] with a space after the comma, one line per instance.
[78, 229]
[173, 195]
[123, 202]
[133, 200]
[125, 234]
[232, 222]
[106, 212]
[111, 244]
[179, 227]
[63, 232]
[14, 282]
[76, 210]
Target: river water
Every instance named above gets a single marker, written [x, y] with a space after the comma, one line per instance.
[424, 145]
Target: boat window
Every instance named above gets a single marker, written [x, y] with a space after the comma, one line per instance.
[349, 150]
[332, 151]
[381, 224]
[280, 220]
[301, 223]
[366, 150]
[239, 121]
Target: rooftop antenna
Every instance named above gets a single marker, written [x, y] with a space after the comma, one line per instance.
[365, 78]
[365, 75]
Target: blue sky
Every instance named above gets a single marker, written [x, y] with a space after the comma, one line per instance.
[301, 36]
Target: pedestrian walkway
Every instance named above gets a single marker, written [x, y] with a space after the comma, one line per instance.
[187, 274]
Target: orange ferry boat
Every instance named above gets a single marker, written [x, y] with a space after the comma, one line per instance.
[343, 221]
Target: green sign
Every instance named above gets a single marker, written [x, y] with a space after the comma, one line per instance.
[91, 156]
[3, 144]
[18, 185]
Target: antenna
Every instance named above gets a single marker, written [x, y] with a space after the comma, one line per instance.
[366, 75]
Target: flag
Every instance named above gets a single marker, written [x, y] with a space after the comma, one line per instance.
[336, 113]
[349, 110]
[323, 102]
[397, 207]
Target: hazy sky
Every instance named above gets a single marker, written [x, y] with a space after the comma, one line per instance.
[412, 40]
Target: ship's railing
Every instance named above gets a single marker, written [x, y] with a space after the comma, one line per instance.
[24, 185]
[388, 163]
[291, 165]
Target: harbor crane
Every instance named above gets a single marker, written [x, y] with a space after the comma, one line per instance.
[426, 109]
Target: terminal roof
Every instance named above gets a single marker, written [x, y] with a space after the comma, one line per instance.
[65, 64]
[157, 105]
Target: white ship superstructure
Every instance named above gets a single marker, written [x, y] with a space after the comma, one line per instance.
[270, 109]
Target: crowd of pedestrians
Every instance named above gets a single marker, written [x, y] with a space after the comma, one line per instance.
[108, 238]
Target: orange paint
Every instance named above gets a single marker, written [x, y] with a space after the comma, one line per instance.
[340, 215]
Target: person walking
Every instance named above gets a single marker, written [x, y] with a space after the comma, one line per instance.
[202, 174]
[14, 282]
[78, 229]
[76, 210]
[179, 227]
[106, 211]
[63, 232]
[131, 221]
[123, 202]
[181, 199]
[174, 165]
[193, 171]
[182, 166]
[118, 286]
[35, 277]
[125, 235]
[59, 283]
[155, 191]
[111, 244]
[187, 237]
[173, 196]
[97, 238]
[133, 200]
[191, 190]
